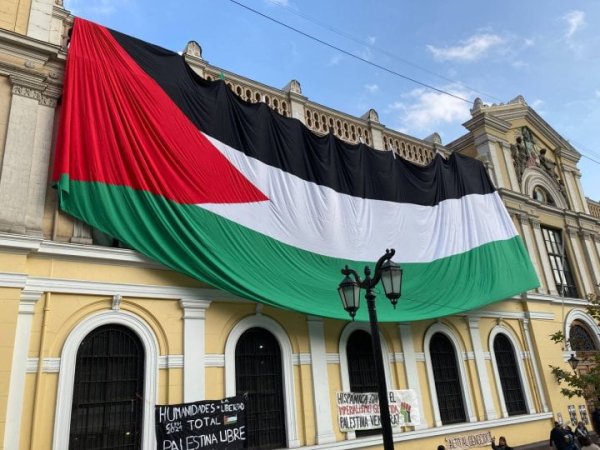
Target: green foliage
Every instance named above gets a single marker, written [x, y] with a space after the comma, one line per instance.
[580, 383]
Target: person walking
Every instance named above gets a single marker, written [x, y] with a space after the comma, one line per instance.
[561, 438]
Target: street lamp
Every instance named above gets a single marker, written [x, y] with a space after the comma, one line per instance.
[573, 361]
[390, 275]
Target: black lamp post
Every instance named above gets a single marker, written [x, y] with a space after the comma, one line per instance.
[573, 361]
[390, 275]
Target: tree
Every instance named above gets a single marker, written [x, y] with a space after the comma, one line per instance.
[582, 383]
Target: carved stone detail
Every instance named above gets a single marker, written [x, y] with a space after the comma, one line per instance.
[519, 156]
[535, 224]
[371, 115]
[294, 87]
[46, 100]
[25, 91]
[116, 302]
[193, 49]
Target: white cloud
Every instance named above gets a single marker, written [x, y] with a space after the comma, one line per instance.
[365, 53]
[425, 109]
[335, 60]
[537, 103]
[575, 20]
[372, 88]
[473, 48]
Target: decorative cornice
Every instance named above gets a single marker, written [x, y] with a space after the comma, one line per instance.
[170, 361]
[214, 360]
[85, 287]
[194, 308]
[333, 358]
[301, 359]
[28, 301]
[488, 120]
[27, 92]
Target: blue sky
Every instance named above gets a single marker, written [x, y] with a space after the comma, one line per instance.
[548, 51]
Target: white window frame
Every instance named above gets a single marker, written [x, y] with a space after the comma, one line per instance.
[66, 377]
[261, 321]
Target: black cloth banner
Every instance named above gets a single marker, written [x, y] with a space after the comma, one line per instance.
[209, 424]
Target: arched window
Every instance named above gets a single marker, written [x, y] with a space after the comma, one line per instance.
[361, 368]
[508, 372]
[108, 391]
[447, 379]
[580, 338]
[258, 372]
[541, 195]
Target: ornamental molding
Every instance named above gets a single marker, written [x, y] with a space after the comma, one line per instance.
[27, 92]
[48, 101]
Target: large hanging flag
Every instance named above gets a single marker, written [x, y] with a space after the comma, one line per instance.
[235, 195]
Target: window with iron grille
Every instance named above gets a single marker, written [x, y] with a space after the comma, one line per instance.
[108, 391]
[448, 384]
[508, 372]
[361, 368]
[561, 269]
[258, 372]
[580, 339]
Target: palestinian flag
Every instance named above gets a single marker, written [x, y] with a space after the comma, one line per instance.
[235, 195]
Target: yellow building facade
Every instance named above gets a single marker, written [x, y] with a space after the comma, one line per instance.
[62, 286]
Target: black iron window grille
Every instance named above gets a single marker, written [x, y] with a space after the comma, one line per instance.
[509, 376]
[448, 384]
[580, 339]
[361, 368]
[258, 372]
[108, 391]
[561, 269]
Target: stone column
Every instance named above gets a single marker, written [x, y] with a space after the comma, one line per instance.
[530, 243]
[321, 393]
[24, 173]
[580, 192]
[410, 363]
[482, 373]
[40, 19]
[534, 364]
[548, 279]
[297, 100]
[572, 192]
[592, 259]
[16, 390]
[578, 256]
[485, 148]
[375, 128]
[194, 353]
[510, 167]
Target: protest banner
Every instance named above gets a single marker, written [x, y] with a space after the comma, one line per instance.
[360, 410]
[209, 424]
